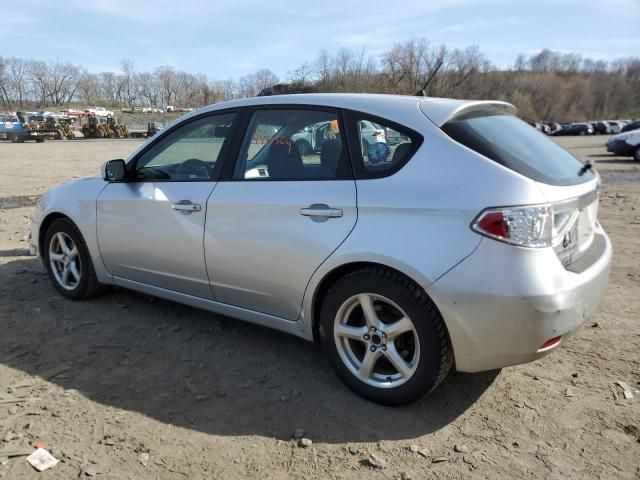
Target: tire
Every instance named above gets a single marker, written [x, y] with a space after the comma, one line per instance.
[40, 139]
[304, 148]
[583, 133]
[424, 347]
[636, 154]
[84, 287]
[14, 139]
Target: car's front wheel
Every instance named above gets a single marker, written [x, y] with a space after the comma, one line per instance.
[68, 261]
[636, 154]
[384, 336]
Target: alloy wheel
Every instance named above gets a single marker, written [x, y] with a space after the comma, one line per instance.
[376, 340]
[65, 261]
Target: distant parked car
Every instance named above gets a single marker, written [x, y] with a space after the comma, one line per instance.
[575, 129]
[635, 125]
[615, 126]
[553, 127]
[625, 144]
[99, 111]
[311, 139]
[600, 127]
[16, 128]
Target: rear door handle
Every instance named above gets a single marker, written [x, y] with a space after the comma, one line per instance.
[186, 206]
[321, 210]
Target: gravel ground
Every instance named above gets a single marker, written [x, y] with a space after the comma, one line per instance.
[127, 386]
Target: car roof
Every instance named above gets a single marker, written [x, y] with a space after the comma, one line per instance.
[438, 110]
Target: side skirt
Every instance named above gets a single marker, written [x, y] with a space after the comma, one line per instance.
[287, 326]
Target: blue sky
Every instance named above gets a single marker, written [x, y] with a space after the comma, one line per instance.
[228, 38]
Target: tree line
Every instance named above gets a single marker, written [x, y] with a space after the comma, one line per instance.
[548, 86]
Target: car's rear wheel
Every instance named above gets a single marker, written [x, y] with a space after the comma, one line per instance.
[384, 336]
[636, 154]
[68, 261]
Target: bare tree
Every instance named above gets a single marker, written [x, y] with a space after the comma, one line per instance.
[128, 81]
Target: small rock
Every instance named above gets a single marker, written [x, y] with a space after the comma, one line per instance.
[200, 398]
[439, 460]
[144, 458]
[353, 450]
[425, 452]
[515, 444]
[298, 433]
[376, 461]
[595, 325]
[405, 476]
[10, 435]
[304, 443]
[574, 375]
[468, 460]
[13, 410]
[414, 448]
[568, 392]
[460, 448]
[90, 471]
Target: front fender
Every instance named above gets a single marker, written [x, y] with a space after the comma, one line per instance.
[77, 201]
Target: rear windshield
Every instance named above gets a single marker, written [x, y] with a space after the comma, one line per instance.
[511, 142]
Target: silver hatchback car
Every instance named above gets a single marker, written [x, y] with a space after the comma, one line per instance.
[471, 240]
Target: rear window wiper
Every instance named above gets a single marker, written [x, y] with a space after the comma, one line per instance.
[586, 167]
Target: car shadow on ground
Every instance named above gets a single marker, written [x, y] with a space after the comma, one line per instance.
[610, 159]
[196, 370]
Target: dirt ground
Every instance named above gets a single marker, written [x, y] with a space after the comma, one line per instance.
[108, 381]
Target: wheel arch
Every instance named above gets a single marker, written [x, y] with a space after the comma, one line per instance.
[44, 226]
[339, 272]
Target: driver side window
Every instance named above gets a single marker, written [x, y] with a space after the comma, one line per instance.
[189, 153]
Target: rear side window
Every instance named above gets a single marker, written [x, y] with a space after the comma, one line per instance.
[511, 142]
[296, 144]
[383, 147]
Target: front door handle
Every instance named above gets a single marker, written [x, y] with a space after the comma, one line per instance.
[321, 210]
[186, 206]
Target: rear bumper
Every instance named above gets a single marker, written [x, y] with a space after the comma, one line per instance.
[502, 303]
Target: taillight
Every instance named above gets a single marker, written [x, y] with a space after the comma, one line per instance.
[534, 226]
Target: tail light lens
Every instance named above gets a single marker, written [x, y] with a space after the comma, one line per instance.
[535, 226]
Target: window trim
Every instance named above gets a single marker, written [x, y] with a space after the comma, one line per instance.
[247, 115]
[132, 164]
[361, 172]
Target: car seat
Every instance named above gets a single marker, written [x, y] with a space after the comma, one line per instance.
[285, 162]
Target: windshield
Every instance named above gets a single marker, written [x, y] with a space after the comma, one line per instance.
[509, 141]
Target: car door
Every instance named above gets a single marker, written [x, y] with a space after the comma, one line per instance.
[274, 219]
[151, 227]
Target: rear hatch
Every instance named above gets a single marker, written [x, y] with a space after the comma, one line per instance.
[570, 187]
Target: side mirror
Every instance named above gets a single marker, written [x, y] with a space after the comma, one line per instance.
[114, 171]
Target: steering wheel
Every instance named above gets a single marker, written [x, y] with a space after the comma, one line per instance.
[194, 167]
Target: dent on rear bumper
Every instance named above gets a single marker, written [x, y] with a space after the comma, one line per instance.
[503, 302]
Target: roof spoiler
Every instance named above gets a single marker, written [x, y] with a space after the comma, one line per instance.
[443, 110]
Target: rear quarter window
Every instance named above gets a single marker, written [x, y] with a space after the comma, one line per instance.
[380, 146]
[516, 145]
